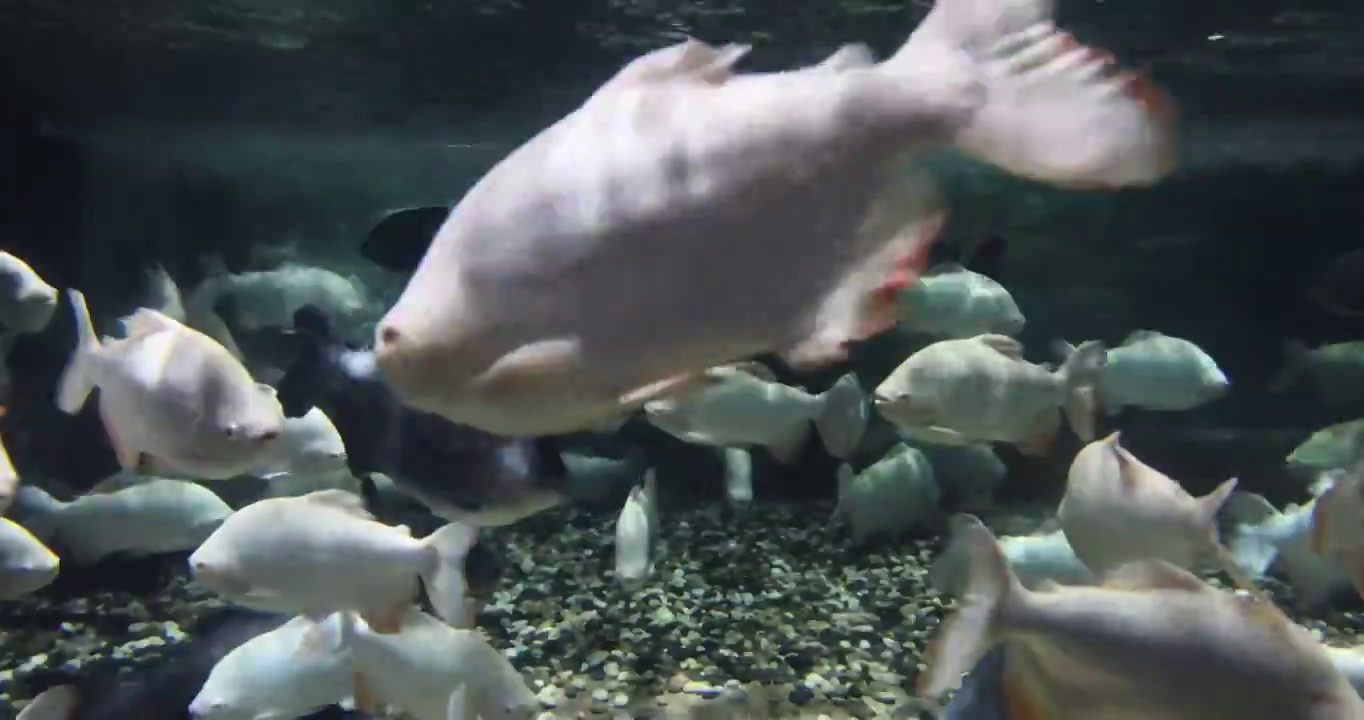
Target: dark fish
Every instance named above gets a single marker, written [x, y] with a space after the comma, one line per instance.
[1339, 287]
[400, 240]
[454, 470]
[164, 690]
[982, 691]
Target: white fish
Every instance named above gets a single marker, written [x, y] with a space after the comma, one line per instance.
[1156, 372]
[951, 301]
[1108, 652]
[269, 298]
[738, 477]
[739, 213]
[27, 302]
[969, 474]
[1263, 538]
[1037, 560]
[323, 553]
[291, 671]
[980, 389]
[156, 516]
[426, 661]
[307, 445]
[26, 565]
[1117, 510]
[745, 405]
[636, 531]
[898, 493]
[170, 392]
[9, 478]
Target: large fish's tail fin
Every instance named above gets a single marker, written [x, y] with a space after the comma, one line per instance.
[77, 380]
[443, 576]
[1210, 505]
[1046, 106]
[1082, 372]
[843, 417]
[991, 591]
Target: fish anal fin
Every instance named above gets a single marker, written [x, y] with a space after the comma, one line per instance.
[1021, 700]
[145, 321]
[1040, 442]
[540, 364]
[1153, 575]
[1002, 344]
[670, 387]
[129, 458]
[1318, 538]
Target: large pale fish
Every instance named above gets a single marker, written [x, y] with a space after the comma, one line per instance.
[27, 302]
[323, 552]
[1154, 371]
[300, 666]
[980, 389]
[897, 493]
[1152, 643]
[156, 516]
[26, 564]
[170, 392]
[1117, 510]
[744, 405]
[1337, 531]
[308, 445]
[687, 215]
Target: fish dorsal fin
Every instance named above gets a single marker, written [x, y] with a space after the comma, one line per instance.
[1137, 336]
[1153, 575]
[946, 268]
[754, 368]
[1002, 344]
[849, 57]
[690, 59]
[1048, 526]
[145, 321]
[344, 500]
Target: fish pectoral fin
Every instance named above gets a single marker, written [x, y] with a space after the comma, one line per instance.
[535, 365]
[675, 386]
[1153, 575]
[129, 458]
[937, 435]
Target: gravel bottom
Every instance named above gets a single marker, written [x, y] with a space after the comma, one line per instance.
[764, 615]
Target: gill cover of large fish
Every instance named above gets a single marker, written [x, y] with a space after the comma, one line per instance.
[686, 215]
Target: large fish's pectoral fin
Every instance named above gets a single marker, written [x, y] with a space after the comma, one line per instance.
[671, 387]
[129, 458]
[539, 365]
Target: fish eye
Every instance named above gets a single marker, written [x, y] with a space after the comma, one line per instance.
[231, 429]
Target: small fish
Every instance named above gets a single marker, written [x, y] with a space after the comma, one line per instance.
[269, 298]
[1263, 537]
[968, 475]
[27, 302]
[738, 477]
[153, 516]
[26, 565]
[291, 671]
[1334, 371]
[1117, 510]
[1331, 448]
[170, 392]
[401, 238]
[896, 494]
[162, 689]
[1038, 560]
[323, 553]
[745, 405]
[636, 531]
[460, 473]
[426, 661]
[1156, 372]
[797, 240]
[1107, 651]
[980, 389]
[952, 301]
[308, 445]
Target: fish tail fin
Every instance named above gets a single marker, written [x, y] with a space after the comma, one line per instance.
[55, 703]
[443, 577]
[843, 417]
[845, 481]
[1082, 371]
[77, 380]
[1209, 506]
[1295, 354]
[738, 478]
[1251, 547]
[1048, 107]
[786, 448]
[947, 573]
[991, 592]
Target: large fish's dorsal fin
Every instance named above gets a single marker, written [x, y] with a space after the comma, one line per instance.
[754, 368]
[944, 268]
[852, 56]
[690, 59]
[145, 321]
[1137, 336]
[1153, 575]
[344, 500]
[1002, 344]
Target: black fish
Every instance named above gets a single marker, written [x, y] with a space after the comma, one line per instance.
[164, 690]
[453, 469]
[400, 240]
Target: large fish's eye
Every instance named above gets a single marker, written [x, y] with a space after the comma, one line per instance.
[231, 430]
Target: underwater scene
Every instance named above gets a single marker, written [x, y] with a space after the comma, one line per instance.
[534, 359]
